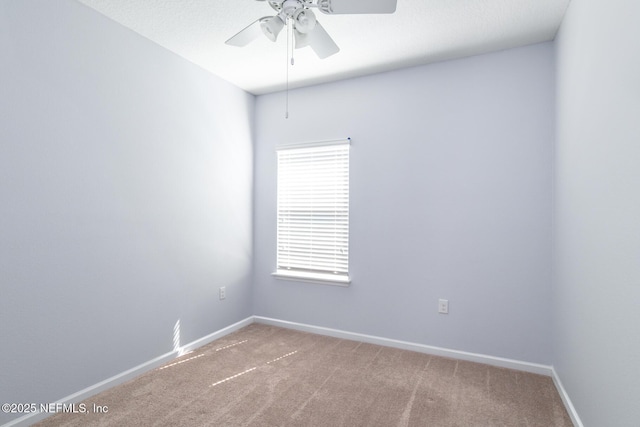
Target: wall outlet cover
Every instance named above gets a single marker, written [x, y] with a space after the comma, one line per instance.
[443, 306]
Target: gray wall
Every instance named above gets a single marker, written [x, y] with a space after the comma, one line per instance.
[126, 200]
[597, 286]
[451, 170]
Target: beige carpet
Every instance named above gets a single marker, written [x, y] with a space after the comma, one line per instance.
[267, 376]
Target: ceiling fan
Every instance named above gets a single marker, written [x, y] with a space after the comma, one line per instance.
[306, 28]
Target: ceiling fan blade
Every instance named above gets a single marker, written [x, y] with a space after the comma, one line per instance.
[319, 40]
[247, 35]
[337, 7]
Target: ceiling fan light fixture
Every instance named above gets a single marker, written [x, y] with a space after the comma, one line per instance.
[325, 6]
[305, 20]
[301, 40]
[271, 27]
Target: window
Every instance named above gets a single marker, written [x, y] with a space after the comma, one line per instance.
[313, 212]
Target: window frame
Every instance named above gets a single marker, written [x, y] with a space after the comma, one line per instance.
[316, 276]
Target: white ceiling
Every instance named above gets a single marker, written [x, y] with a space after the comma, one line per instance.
[420, 32]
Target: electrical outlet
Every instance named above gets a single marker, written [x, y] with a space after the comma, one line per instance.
[443, 306]
[222, 292]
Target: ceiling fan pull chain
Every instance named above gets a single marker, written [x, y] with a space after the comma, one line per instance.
[292, 40]
[286, 114]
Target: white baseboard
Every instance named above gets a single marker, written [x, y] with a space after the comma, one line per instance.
[77, 397]
[566, 400]
[404, 345]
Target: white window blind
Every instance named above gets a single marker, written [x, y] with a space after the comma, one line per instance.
[313, 212]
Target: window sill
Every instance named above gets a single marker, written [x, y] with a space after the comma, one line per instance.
[324, 279]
